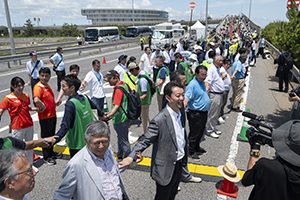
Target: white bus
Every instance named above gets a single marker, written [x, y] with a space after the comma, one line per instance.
[101, 34]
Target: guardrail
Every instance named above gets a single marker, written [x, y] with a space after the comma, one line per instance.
[38, 47]
[273, 50]
[80, 49]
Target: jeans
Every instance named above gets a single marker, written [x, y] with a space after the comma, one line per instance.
[123, 142]
[98, 101]
[60, 75]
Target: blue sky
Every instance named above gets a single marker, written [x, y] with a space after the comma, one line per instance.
[68, 11]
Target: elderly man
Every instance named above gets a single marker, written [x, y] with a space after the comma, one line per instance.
[215, 85]
[93, 173]
[16, 175]
[238, 81]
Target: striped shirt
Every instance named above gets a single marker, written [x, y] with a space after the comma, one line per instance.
[109, 176]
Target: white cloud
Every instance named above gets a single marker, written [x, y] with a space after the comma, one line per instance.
[146, 3]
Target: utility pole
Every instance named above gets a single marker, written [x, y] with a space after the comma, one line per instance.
[206, 19]
[250, 9]
[132, 12]
[11, 36]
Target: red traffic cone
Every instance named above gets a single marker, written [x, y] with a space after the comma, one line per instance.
[228, 188]
[35, 157]
[231, 175]
[104, 61]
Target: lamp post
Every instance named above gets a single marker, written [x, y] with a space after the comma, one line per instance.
[250, 9]
[206, 19]
[133, 12]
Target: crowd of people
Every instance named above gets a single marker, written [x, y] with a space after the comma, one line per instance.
[190, 80]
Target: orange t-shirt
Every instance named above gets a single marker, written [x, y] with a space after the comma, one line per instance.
[44, 92]
[13, 104]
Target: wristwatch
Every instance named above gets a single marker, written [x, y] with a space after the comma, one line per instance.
[256, 154]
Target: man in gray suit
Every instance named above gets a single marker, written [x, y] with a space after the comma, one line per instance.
[169, 141]
[93, 172]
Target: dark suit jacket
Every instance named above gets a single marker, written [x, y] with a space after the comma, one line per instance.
[161, 134]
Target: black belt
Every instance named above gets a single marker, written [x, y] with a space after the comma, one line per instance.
[35, 78]
[216, 92]
[197, 111]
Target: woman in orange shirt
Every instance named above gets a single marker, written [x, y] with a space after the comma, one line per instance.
[17, 103]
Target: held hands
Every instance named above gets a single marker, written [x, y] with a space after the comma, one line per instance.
[41, 108]
[127, 162]
[58, 102]
[232, 77]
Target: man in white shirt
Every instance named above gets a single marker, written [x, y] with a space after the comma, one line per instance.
[169, 140]
[152, 62]
[166, 54]
[145, 61]
[121, 67]
[16, 175]
[33, 66]
[179, 46]
[95, 80]
[215, 85]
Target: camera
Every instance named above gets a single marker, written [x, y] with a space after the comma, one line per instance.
[293, 92]
[259, 132]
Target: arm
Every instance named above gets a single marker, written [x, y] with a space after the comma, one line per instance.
[161, 80]
[36, 143]
[185, 103]
[32, 109]
[68, 185]
[233, 75]
[60, 95]
[100, 112]
[1, 112]
[144, 95]
[252, 160]
[41, 105]
[141, 63]
[83, 85]
[113, 111]
[207, 86]
[29, 79]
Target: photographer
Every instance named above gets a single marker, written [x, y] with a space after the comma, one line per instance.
[277, 178]
[294, 97]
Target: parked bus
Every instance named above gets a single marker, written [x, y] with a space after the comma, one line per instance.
[137, 31]
[101, 34]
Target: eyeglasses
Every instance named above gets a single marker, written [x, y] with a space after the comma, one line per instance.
[103, 142]
[29, 170]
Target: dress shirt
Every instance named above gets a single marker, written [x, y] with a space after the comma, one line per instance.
[227, 80]
[120, 68]
[179, 131]
[109, 176]
[95, 81]
[214, 79]
[30, 65]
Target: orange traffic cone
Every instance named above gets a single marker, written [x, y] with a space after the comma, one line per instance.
[231, 175]
[104, 61]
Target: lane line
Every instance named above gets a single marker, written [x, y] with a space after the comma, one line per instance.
[238, 126]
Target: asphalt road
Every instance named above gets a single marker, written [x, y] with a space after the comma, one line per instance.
[260, 97]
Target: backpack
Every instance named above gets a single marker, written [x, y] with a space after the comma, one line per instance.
[133, 104]
[152, 85]
[288, 62]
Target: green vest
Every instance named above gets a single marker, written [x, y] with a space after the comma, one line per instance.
[186, 70]
[120, 116]
[147, 100]
[84, 115]
[7, 144]
[157, 77]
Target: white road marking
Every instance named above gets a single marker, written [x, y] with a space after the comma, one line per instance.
[238, 126]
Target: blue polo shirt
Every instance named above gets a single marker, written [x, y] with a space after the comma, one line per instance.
[239, 67]
[197, 95]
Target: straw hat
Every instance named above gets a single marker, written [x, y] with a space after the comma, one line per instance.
[229, 171]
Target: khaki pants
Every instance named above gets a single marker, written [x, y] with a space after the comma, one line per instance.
[159, 101]
[237, 92]
[145, 117]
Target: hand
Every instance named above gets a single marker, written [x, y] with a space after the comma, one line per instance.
[139, 157]
[126, 162]
[52, 139]
[295, 98]
[103, 118]
[82, 86]
[232, 77]
[58, 102]
[29, 83]
[41, 108]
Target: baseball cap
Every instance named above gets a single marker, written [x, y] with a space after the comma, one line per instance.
[33, 52]
[121, 57]
[111, 73]
[132, 65]
[198, 47]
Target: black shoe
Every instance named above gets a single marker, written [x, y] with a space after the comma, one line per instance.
[50, 161]
[236, 110]
[201, 151]
[56, 155]
[286, 90]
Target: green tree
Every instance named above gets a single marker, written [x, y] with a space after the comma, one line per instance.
[29, 31]
[69, 30]
[51, 33]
